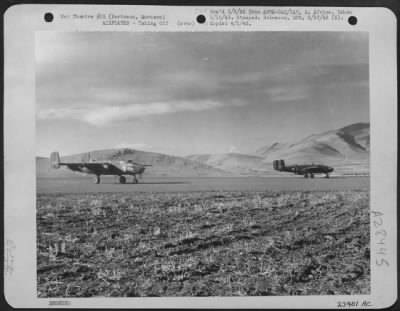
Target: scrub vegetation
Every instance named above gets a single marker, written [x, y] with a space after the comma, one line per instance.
[203, 244]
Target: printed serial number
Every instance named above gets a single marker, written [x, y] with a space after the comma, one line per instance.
[59, 303]
[353, 304]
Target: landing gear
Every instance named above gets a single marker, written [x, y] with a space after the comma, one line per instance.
[311, 175]
[96, 180]
[135, 181]
[327, 176]
[306, 175]
[122, 179]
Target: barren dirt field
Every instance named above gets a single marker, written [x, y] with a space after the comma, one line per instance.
[213, 243]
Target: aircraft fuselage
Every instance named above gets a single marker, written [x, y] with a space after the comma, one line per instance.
[307, 170]
[112, 167]
[311, 169]
[109, 168]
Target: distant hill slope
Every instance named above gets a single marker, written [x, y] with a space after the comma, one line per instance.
[269, 149]
[360, 132]
[236, 163]
[350, 143]
[347, 149]
[162, 164]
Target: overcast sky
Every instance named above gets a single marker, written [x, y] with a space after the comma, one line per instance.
[186, 93]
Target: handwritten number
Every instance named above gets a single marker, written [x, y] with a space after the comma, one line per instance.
[381, 262]
[376, 224]
[382, 232]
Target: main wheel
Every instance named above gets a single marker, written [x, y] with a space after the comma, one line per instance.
[96, 180]
[311, 175]
[122, 179]
[327, 175]
[306, 175]
[135, 181]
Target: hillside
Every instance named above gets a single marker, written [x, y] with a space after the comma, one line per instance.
[269, 149]
[236, 163]
[347, 149]
[360, 133]
[162, 164]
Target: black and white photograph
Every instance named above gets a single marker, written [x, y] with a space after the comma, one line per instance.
[207, 157]
[202, 164]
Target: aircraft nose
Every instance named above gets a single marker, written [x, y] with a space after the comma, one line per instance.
[330, 169]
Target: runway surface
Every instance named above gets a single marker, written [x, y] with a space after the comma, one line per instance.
[84, 184]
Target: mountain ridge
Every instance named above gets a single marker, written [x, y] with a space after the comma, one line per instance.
[346, 148]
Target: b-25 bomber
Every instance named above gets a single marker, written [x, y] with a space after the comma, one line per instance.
[307, 170]
[98, 168]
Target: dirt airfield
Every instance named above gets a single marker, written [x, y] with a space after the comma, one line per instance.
[84, 184]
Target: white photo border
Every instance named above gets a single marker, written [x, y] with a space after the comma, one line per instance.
[20, 24]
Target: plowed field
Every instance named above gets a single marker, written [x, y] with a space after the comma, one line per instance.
[216, 243]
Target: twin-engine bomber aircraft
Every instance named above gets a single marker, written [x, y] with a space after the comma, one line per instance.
[98, 168]
[308, 170]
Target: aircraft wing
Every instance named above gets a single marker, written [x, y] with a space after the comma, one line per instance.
[99, 168]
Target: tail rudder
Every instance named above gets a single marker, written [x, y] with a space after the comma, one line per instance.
[55, 160]
[279, 165]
